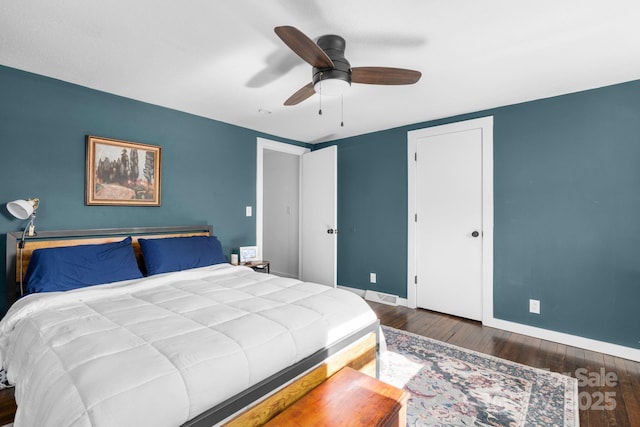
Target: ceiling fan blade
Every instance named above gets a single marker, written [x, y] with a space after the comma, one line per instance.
[303, 93]
[304, 47]
[384, 76]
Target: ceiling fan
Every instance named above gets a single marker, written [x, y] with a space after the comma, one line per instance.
[332, 73]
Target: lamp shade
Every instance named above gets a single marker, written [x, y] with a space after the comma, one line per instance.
[21, 209]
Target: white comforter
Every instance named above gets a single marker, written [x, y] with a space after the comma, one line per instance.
[159, 351]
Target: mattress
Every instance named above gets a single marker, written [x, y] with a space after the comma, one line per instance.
[160, 350]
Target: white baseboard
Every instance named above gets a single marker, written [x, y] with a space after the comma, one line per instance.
[363, 293]
[381, 297]
[545, 334]
[566, 339]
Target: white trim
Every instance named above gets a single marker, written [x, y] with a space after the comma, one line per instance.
[261, 145]
[566, 339]
[361, 293]
[381, 297]
[486, 125]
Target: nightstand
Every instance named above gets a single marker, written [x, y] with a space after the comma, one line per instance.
[259, 266]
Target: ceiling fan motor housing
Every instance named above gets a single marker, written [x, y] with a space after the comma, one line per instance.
[334, 47]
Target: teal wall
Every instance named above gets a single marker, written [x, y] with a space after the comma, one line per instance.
[567, 211]
[208, 167]
[567, 192]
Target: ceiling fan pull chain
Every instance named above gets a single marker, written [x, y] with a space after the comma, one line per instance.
[342, 110]
[320, 95]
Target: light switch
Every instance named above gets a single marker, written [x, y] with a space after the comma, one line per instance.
[248, 211]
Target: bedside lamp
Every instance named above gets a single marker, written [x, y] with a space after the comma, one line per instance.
[23, 209]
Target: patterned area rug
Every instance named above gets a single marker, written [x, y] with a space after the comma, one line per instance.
[452, 386]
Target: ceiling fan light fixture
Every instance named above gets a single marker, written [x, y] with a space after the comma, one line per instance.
[331, 87]
[336, 80]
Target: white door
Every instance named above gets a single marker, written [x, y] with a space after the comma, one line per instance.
[318, 223]
[449, 223]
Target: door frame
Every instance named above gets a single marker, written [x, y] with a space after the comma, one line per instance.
[486, 126]
[267, 144]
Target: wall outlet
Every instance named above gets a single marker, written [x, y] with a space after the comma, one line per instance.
[534, 306]
[248, 211]
[372, 277]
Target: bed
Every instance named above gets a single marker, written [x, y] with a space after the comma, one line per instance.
[199, 346]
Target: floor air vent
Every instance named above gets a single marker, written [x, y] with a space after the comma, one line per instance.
[380, 297]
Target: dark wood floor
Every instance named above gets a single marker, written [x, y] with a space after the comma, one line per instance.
[588, 366]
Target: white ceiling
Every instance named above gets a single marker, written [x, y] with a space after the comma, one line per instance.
[222, 60]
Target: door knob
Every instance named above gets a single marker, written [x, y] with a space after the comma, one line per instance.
[475, 234]
[332, 231]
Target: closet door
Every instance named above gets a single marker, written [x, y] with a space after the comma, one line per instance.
[449, 223]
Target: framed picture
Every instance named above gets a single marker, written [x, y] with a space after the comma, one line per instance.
[248, 254]
[122, 173]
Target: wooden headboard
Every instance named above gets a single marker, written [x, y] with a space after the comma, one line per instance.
[51, 239]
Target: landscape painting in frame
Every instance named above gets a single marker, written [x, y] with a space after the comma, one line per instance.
[122, 173]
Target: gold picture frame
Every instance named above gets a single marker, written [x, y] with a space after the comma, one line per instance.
[122, 173]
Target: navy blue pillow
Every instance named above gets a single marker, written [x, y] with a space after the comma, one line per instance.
[180, 253]
[65, 268]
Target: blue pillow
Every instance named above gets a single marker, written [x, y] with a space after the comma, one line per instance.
[180, 253]
[65, 268]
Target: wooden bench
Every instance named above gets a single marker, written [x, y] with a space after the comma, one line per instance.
[349, 398]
